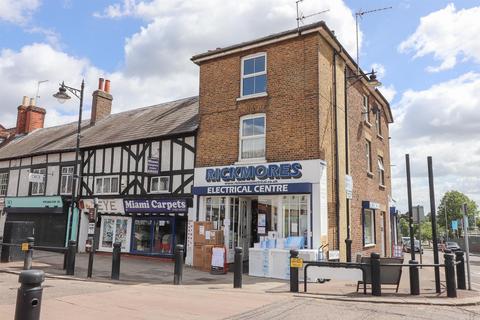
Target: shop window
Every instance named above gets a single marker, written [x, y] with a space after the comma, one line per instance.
[368, 153]
[365, 109]
[252, 137]
[215, 211]
[381, 171]
[3, 183]
[368, 227]
[143, 235]
[159, 184]
[38, 188]
[106, 185]
[295, 214]
[114, 230]
[254, 75]
[66, 180]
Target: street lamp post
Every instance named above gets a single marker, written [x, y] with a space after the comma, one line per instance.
[63, 96]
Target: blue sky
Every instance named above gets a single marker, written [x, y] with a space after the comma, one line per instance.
[427, 54]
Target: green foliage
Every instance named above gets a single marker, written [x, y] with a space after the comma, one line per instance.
[452, 203]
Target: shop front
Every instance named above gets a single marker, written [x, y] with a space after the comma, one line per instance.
[260, 204]
[158, 225]
[48, 214]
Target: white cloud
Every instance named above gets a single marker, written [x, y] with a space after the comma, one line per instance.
[389, 92]
[17, 11]
[449, 35]
[442, 122]
[379, 69]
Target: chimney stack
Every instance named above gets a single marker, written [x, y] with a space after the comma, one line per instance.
[101, 102]
[29, 117]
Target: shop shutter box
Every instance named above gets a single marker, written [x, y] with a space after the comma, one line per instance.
[199, 231]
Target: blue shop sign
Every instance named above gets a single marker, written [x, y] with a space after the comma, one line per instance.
[155, 205]
[246, 189]
[251, 173]
[153, 165]
[370, 205]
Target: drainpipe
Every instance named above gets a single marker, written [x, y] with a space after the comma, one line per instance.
[337, 173]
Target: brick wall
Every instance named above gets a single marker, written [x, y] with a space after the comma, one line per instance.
[35, 118]
[101, 105]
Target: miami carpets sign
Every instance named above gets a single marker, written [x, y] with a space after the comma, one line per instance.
[155, 205]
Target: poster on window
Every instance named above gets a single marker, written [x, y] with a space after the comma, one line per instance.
[262, 220]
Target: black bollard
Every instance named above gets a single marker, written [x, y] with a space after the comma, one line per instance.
[450, 275]
[459, 258]
[178, 270]
[238, 268]
[72, 248]
[29, 295]
[375, 274]
[117, 249]
[27, 263]
[348, 249]
[293, 272]
[414, 278]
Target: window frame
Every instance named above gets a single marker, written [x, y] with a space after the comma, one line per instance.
[159, 191]
[368, 154]
[381, 170]
[241, 138]
[255, 74]
[35, 170]
[378, 123]
[373, 231]
[5, 180]
[103, 182]
[366, 109]
[69, 190]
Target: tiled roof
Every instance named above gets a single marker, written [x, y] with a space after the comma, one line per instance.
[171, 118]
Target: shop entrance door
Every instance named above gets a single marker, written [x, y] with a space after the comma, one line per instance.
[244, 227]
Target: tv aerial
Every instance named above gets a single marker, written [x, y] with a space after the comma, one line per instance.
[301, 16]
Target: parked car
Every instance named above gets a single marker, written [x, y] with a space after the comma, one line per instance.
[407, 248]
[451, 246]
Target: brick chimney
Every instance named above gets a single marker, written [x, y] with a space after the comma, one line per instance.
[101, 102]
[35, 117]
[29, 116]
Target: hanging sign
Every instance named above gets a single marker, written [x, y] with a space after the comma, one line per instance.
[349, 186]
[153, 165]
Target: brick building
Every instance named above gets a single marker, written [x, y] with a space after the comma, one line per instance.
[284, 123]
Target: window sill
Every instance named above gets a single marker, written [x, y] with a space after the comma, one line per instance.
[369, 174]
[372, 245]
[379, 136]
[251, 161]
[381, 187]
[253, 96]
[366, 123]
[159, 192]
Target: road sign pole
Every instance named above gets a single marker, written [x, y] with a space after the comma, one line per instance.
[434, 224]
[467, 248]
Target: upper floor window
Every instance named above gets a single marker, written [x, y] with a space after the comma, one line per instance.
[381, 171]
[366, 109]
[368, 151]
[252, 137]
[160, 184]
[106, 185]
[66, 180]
[254, 74]
[3, 183]
[378, 122]
[38, 188]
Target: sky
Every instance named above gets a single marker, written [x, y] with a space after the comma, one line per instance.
[427, 54]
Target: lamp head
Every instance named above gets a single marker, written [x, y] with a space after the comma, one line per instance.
[62, 95]
[373, 81]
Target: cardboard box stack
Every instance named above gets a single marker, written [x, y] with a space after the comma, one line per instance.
[205, 239]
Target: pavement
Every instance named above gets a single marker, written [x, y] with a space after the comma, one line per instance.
[145, 291]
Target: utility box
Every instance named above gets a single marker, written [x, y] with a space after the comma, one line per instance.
[15, 232]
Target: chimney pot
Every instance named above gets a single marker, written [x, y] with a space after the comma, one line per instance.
[100, 84]
[107, 86]
[25, 101]
[32, 102]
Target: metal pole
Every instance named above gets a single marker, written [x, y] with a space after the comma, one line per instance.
[76, 177]
[238, 268]
[27, 263]
[90, 261]
[450, 275]
[446, 220]
[178, 269]
[293, 272]
[414, 281]
[419, 236]
[460, 260]
[117, 248]
[375, 274]
[467, 246]
[434, 224]
[29, 295]
[72, 248]
[356, 33]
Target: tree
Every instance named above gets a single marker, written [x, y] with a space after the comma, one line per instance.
[452, 203]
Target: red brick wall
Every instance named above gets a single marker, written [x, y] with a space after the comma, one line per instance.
[35, 118]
